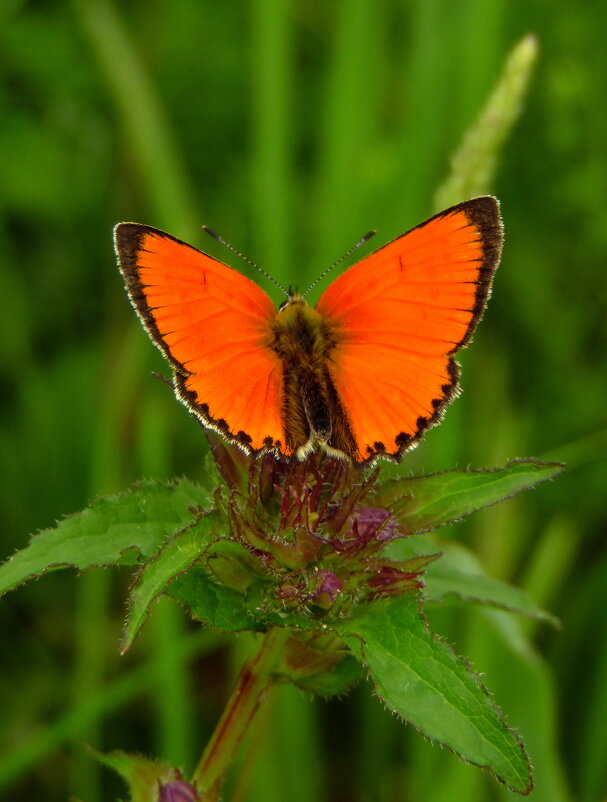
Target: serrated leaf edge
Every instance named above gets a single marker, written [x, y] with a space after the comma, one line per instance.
[485, 471]
[110, 497]
[500, 714]
[125, 645]
[540, 615]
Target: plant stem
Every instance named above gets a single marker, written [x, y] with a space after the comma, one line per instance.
[253, 681]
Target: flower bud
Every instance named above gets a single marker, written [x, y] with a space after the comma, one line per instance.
[177, 791]
[328, 589]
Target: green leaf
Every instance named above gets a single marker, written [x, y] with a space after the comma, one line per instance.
[175, 557]
[224, 609]
[336, 682]
[420, 678]
[217, 606]
[443, 582]
[322, 668]
[459, 575]
[423, 503]
[117, 529]
[142, 775]
[227, 590]
[234, 565]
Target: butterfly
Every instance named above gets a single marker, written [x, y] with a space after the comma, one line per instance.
[363, 374]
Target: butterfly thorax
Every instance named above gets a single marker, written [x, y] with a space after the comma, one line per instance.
[304, 340]
[300, 334]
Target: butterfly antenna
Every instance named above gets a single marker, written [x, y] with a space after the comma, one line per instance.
[244, 258]
[360, 242]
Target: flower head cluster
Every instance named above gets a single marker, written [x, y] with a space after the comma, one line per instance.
[312, 534]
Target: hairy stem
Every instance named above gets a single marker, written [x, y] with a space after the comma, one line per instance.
[253, 681]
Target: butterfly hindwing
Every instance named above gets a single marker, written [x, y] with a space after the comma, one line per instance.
[400, 314]
[211, 322]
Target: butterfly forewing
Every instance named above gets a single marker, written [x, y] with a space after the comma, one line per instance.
[400, 314]
[363, 375]
[212, 323]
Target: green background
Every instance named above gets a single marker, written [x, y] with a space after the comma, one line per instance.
[292, 129]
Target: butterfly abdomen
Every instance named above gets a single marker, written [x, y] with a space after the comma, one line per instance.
[303, 340]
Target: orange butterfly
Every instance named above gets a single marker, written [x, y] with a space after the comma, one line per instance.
[362, 374]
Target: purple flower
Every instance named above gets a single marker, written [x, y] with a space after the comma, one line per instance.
[313, 536]
[329, 588]
[177, 791]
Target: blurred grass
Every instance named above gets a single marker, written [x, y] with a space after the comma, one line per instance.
[296, 127]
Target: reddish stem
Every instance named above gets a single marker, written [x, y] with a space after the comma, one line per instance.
[253, 681]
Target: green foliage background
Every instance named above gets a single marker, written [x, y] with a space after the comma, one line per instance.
[293, 128]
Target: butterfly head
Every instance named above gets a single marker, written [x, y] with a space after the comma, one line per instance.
[293, 296]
